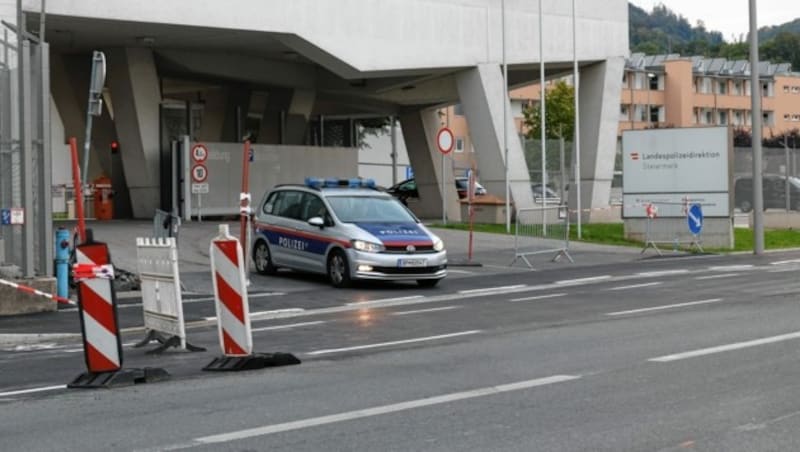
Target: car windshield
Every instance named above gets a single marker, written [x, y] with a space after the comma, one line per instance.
[369, 209]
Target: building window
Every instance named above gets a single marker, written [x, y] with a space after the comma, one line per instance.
[795, 89]
[737, 88]
[722, 87]
[723, 118]
[459, 144]
[786, 116]
[785, 88]
[708, 118]
[653, 81]
[795, 117]
[765, 90]
[654, 116]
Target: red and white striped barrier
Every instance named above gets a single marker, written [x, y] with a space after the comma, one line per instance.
[102, 345]
[31, 291]
[233, 310]
[230, 292]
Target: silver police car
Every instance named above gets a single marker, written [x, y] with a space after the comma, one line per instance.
[346, 229]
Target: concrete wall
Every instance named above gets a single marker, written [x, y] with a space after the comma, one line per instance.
[14, 302]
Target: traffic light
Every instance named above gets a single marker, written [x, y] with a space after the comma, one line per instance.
[114, 146]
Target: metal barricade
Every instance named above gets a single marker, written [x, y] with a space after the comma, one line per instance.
[541, 230]
[166, 225]
[666, 225]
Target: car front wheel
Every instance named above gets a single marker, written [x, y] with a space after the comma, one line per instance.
[339, 270]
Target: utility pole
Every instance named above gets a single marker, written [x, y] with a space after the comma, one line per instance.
[755, 100]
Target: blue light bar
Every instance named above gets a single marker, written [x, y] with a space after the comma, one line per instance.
[332, 182]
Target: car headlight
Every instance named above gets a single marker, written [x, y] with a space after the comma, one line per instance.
[367, 247]
[438, 245]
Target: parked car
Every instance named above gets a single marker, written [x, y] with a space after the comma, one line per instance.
[347, 230]
[408, 189]
[552, 197]
[774, 189]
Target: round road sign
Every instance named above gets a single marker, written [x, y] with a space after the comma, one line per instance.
[694, 218]
[199, 153]
[651, 210]
[199, 173]
[445, 140]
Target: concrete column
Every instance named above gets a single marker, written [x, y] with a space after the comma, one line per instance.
[135, 92]
[482, 96]
[236, 107]
[212, 126]
[278, 101]
[419, 133]
[600, 91]
[300, 108]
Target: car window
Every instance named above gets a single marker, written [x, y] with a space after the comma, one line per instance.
[289, 204]
[409, 185]
[313, 207]
[269, 205]
[369, 209]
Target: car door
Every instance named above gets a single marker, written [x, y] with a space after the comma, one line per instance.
[313, 256]
[277, 225]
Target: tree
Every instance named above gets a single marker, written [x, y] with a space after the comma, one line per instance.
[560, 113]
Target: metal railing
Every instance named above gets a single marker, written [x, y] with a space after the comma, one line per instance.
[541, 230]
[670, 231]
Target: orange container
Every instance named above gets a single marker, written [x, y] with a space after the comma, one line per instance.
[103, 199]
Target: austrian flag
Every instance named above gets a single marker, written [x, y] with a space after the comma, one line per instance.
[634, 156]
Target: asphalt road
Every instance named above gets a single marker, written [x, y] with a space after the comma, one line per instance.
[697, 353]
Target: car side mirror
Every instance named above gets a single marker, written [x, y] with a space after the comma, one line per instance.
[317, 221]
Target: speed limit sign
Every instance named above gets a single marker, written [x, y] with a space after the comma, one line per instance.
[199, 173]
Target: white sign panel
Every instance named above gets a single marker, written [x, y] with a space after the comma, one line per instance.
[671, 165]
[17, 216]
[200, 189]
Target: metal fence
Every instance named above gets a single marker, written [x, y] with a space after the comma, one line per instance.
[541, 230]
[166, 225]
[669, 231]
[25, 166]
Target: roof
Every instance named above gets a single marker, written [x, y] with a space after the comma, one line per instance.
[708, 66]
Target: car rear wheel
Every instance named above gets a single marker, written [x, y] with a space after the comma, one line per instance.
[428, 283]
[263, 259]
[339, 270]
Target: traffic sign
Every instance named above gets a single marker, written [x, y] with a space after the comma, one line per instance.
[200, 189]
[651, 210]
[17, 216]
[199, 153]
[445, 140]
[694, 217]
[5, 216]
[199, 173]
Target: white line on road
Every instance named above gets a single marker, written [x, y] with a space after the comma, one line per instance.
[373, 411]
[464, 272]
[389, 344]
[637, 286]
[491, 290]
[32, 390]
[721, 275]
[790, 261]
[783, 270]
[385, 300]
[538, 297]
[274, 313]
[565, 282]
[286, 327]
[423, 311]
[669, 306]
[663, 273]
[252, 295]
[725, 348]
[731, 267]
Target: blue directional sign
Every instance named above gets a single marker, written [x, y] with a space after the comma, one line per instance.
[252, 155]
[5, 216]
[695, 219]
[409, 172]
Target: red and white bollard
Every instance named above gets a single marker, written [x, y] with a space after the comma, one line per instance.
[102, 346]
[233, 311]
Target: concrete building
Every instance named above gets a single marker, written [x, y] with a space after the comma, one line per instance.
[303, 72]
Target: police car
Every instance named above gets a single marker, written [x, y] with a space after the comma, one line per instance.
[346, 229]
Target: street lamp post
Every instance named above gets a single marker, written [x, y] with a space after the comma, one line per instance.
[755, 100]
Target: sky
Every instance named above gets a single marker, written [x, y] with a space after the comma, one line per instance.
[731, 17]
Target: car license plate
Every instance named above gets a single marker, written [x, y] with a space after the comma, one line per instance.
[405, 263]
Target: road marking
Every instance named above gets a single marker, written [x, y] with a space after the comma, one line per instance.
[373, 411]
[464, 272]
[422, 311]
[286, 327]
[492, 290]
[669, 306]
[385, 300]
[32, 390]
[590, 279]
[252, 295]
[637, 286]
[790, 261]
[389, 344]
[783, 270]
[731, 267]
[276, 313]
[538, 297]
[663, 273]
[723, 275]
[725, 348]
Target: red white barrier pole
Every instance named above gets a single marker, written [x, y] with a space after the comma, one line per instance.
[244, 207]
[38, 293]
[76, 182]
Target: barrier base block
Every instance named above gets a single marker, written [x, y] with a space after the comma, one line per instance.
[119, 378]
[251, 362]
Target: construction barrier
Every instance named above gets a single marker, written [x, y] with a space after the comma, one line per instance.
[166, 225]
[233, 311]
[157, 263]
[31, 291]
[670, 231]
[541, 230]
[94, 275]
